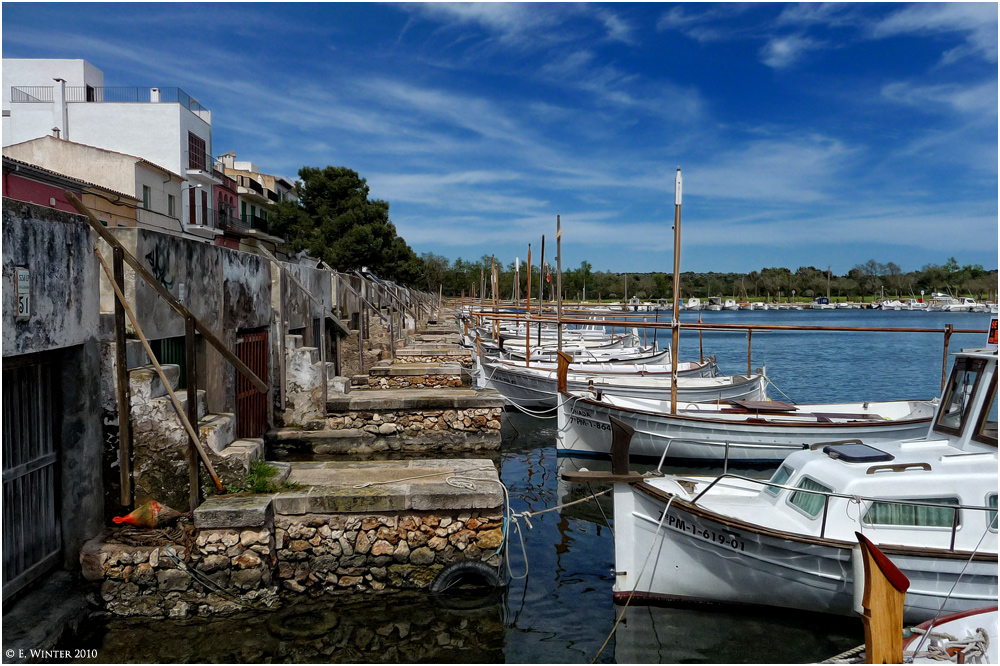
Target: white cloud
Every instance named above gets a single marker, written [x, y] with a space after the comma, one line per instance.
[977, 100]
[977, 21]
[783, 52]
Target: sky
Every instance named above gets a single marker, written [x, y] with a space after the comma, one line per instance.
[808, 134]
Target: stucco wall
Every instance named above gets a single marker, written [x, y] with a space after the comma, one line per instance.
[57, 248]
[299, 310]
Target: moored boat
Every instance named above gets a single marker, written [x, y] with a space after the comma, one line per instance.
[788, 542]
[739, 431]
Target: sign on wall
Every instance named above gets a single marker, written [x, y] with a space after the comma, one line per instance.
[23, 294]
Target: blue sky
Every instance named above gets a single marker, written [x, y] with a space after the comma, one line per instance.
[808, 134]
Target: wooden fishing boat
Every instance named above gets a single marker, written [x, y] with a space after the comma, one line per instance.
[739, 431]
[930, 503]
[695, 383]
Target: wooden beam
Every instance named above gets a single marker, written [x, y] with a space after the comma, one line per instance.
[141, 271]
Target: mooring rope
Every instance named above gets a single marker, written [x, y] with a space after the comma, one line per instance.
[638, 578]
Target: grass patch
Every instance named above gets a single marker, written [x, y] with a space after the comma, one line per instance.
[260, 480]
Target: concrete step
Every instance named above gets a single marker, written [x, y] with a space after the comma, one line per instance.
[163, 402]
[245, 451]
[218, 431]
[311, 352]
[293, 341]
[336, 385]
[146, 385]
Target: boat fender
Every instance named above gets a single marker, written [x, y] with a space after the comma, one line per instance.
[466, 572]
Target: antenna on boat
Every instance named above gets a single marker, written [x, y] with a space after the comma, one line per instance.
[675, 324]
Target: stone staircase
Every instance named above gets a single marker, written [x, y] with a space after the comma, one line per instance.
[160, 468]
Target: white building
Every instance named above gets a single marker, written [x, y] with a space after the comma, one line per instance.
[165, 126]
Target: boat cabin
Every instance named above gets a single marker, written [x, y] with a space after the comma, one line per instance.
[939, 484]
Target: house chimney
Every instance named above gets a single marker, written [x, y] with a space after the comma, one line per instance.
[59, 111]
[154, 94]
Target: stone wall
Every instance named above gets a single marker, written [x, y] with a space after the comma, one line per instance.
[378, 552]
[144, 580]
[414, 423]
[225, 571]
[465, 360]
[415, 381]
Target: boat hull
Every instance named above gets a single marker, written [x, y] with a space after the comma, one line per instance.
[540, 389]
[584, 429]
[695, 557]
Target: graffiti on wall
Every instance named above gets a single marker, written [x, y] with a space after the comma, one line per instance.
[159, 265]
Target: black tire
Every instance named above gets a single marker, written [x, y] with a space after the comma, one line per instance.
[302, 622]
[466, 573]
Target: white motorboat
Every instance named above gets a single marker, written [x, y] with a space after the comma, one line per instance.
[696, 382]
[633, 355]
[945, 303]
[693, 303]
[714, 304]
[737, 432]
[730, 304]
[929, 503]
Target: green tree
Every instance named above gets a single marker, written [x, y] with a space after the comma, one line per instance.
[337, 222]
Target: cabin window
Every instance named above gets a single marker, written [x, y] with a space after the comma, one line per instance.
[958, 394]
[912, 515]
[986, 430]
[171, 206]
[810, 503]
[146, 196]
[779, 477]
[993, 514]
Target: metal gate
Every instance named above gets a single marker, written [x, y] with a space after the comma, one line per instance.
[32, 542]
[251, 404]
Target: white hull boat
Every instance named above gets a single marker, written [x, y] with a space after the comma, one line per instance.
[930, 504]
[739, 432]
[536, 387]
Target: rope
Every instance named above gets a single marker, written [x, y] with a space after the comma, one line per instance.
[638, 578]
[451, 474]
[201, 578]
[952, 590]
[971, 650]
[851, 656]
[772, 384]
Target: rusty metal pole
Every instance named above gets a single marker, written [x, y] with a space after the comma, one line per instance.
[191, 369]
[124, 390]
[749, 361]
[948, 328]
[675, 324]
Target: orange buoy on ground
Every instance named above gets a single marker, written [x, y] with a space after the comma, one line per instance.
[150, 514]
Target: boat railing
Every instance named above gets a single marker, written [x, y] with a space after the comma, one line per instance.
[859, 499]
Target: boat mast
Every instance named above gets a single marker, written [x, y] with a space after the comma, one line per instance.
[527, 315]
[675, 324]
[541, 288]
[558, 283]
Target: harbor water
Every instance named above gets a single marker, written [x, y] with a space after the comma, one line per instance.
[558, 606]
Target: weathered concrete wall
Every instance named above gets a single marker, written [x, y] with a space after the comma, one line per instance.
[57, 248]
[246, 305]
[81, 432]
[299, 310]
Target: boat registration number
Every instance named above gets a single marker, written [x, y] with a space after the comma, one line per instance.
[721, 539]
[590, 423]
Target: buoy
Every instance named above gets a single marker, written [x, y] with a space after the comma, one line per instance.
[150, 514]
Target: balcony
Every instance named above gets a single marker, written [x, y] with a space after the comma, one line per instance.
[129, 94]
[31, 94]
[255, 222]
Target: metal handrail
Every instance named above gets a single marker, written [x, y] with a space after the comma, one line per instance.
[857, 498]
[31, 94]
[132, 94]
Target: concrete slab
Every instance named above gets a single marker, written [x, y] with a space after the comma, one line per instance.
[222, 511]
[360, 487]
[368, 400]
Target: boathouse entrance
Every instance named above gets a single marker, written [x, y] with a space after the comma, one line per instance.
[32, 539]
[251, 405]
